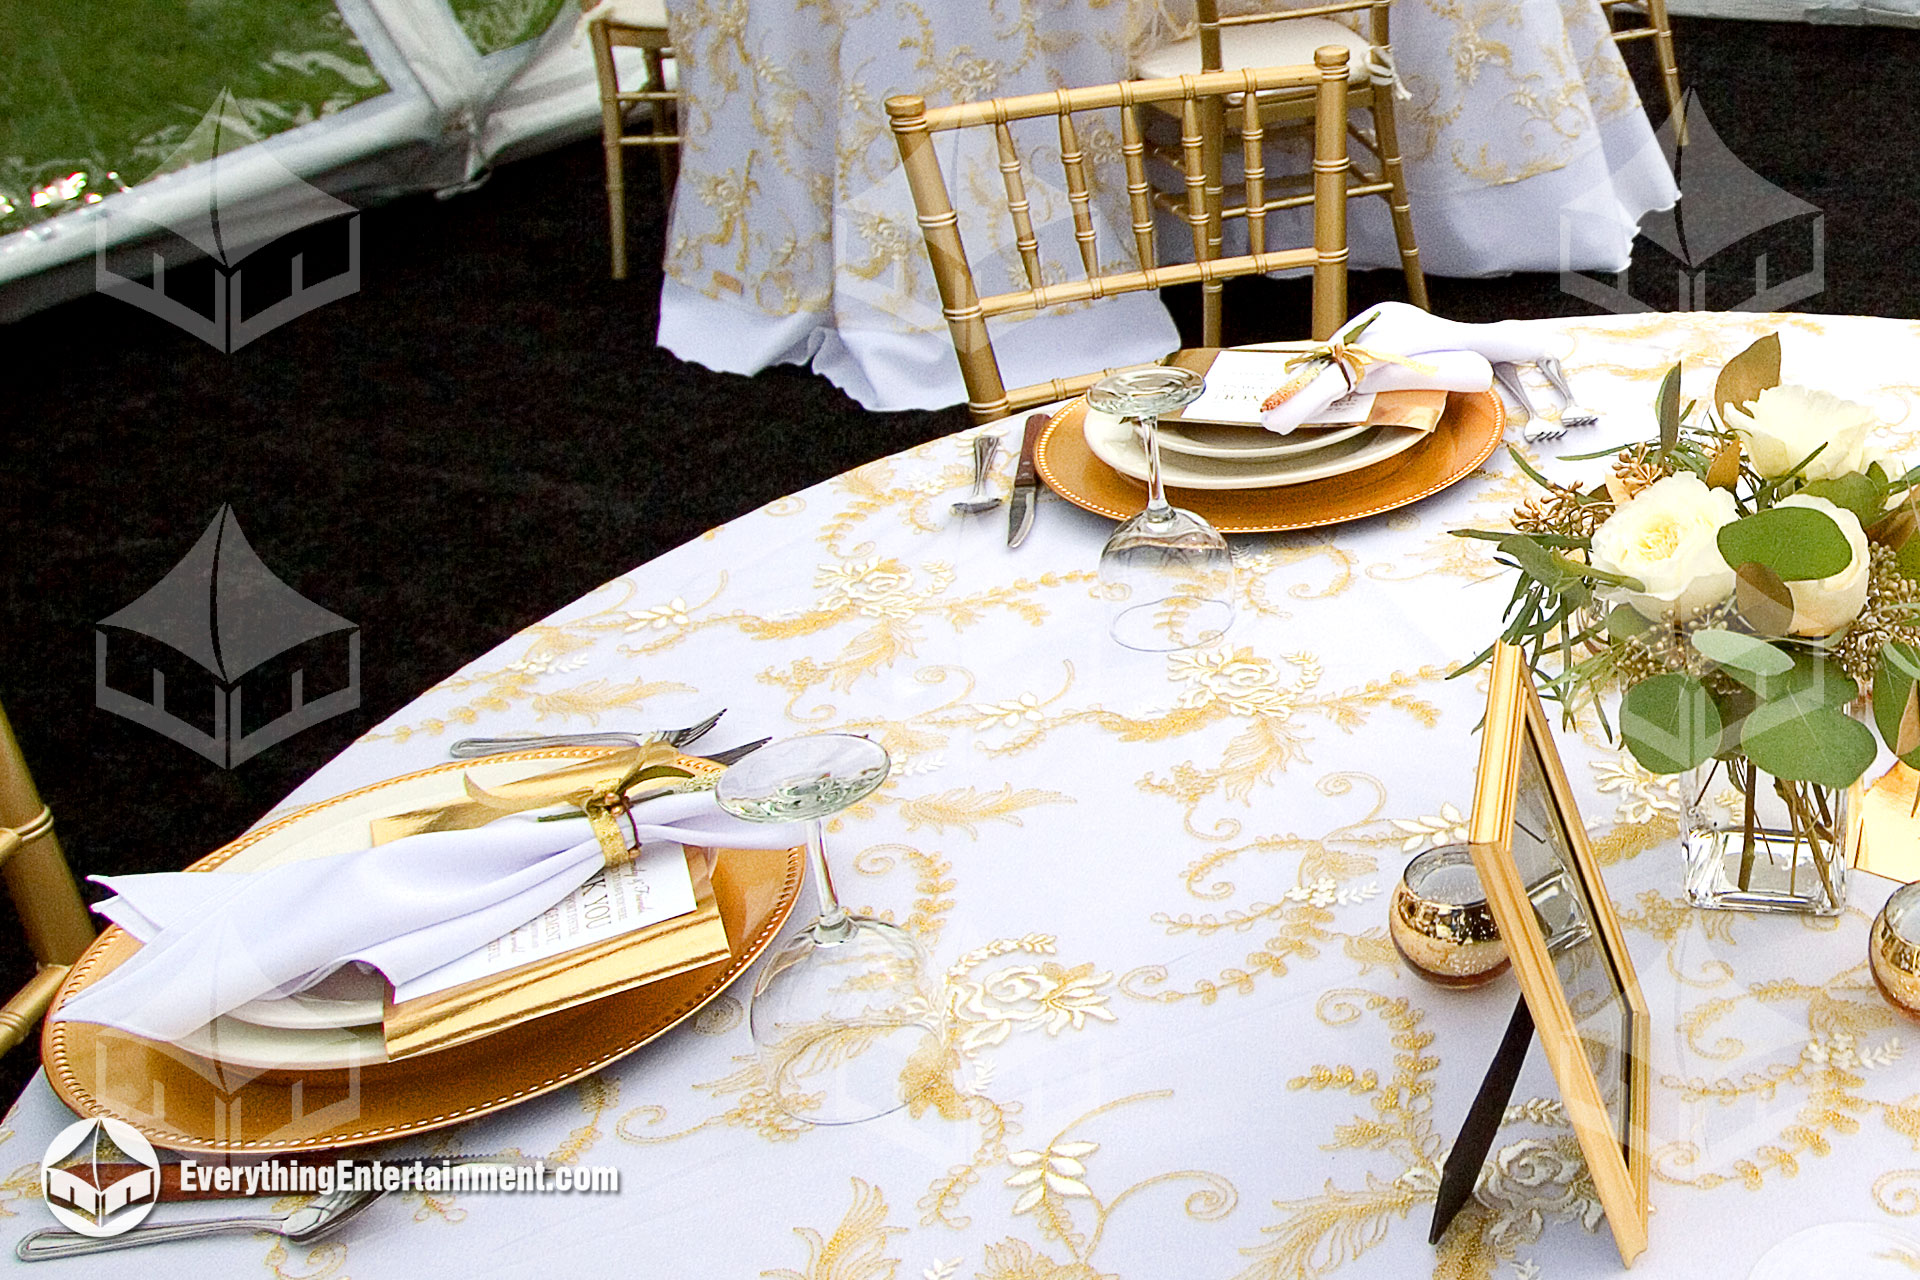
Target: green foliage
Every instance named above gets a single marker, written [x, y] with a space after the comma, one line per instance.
[1670, 723]
[1797, 543]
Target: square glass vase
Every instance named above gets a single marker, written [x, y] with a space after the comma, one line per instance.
[1754, 842]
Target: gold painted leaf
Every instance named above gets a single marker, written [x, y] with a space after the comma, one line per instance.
[1725, 471]
[1748, 374]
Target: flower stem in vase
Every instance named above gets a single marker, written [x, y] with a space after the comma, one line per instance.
[1746, 848]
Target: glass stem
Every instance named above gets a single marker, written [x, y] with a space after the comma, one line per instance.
[834, 923]
[1158, 511]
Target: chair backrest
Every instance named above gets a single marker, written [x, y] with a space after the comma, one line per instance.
[1212, 23]
[44, 895]
[967, 312]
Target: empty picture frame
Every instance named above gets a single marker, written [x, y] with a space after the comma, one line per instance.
[1544, 887]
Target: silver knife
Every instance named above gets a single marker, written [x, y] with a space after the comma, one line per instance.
[1026, 485]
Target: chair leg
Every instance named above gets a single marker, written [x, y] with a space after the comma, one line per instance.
[1387, 135]
[1669, 67]
[663, 124]
[610, 130]
[1213, 122]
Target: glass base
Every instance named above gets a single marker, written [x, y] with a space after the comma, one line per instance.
[1786, 866]
[846, 1018]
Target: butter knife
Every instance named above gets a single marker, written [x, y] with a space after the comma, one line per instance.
[1026, 485]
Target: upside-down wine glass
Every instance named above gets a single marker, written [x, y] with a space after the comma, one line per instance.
[1166, 573]
[839, 1013]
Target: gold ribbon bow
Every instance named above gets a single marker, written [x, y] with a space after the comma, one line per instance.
[601, 788]
[1352, 362]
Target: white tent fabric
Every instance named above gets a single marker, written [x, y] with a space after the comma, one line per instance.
[448, 115]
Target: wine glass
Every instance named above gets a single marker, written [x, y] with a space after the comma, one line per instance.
[1166, 573]
[844, 1009]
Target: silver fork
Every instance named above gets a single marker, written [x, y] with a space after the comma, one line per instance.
[1571, 414]
[473, 748]
[1537, 428]
[984, 447]
[309, 1222]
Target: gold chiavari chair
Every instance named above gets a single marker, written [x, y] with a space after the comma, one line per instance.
[44, 895]
[1277, 37]
[967, 313]
[640, 24]
[1658, 29]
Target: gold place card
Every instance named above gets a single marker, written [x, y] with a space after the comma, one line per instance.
[562, 977]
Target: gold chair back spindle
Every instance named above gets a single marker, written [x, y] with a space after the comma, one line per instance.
[1370, 87]
[648, 33]
[967, 312]
[52, 916]
[1658, 29]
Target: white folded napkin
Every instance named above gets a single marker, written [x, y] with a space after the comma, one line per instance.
[215, 941]
[1455, 356]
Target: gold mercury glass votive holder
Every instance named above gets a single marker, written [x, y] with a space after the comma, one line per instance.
[1440, 923]
[1893, 949]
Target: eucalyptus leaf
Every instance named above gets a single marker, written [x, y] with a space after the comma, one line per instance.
[1896, 693]
[1742, 652]
[1814, 676]
[1624, 622]
[1666, 406]
[1895, 528]
[1854, 492]
[1763, 599]
[1670, 723]
[1748, 374]
[1798, 543]
[1801, 740]
[1908, 561]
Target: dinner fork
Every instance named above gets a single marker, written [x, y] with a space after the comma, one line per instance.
[984, 447]
[473, 748]
[1571, 414]
[320, 1216]
[1537, 428]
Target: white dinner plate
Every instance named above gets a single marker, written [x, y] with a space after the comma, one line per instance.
[351, 996]
[1114, 443]
[318, 1042]
[1249, 444]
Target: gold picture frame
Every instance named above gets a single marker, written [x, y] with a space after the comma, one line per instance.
[1544, 887]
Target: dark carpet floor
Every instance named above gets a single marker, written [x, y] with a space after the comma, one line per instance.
[487, 431]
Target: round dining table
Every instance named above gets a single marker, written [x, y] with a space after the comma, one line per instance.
[793, 236]
[1153, 888]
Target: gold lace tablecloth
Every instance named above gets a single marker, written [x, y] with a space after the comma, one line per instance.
[1156, 886]
[793, 235]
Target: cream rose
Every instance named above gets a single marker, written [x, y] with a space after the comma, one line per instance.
[1664, 536]
[1821, 606]
[1786, 423]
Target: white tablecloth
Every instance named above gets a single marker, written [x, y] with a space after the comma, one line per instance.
[793, 236]
[1157, 885]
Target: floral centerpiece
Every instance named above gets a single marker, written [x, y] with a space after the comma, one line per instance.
[1748, 582]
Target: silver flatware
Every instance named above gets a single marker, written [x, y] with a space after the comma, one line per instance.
[324, 1214]
[1026, 484]
[734, 755]
[984, 449]
[1537, 428]
[1571, 414]
[474, 748]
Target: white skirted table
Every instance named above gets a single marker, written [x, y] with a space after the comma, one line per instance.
[1155, 889]
[793, 236]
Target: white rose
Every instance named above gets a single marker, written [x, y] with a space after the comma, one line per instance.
[1665, 537]
[1821, 606]
[1786, 423]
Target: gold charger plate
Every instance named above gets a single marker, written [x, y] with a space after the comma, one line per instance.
[1468, 433]
[187, 1103]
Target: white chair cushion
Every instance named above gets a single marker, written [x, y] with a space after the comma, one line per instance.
[1270, 44]
[634, 13]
